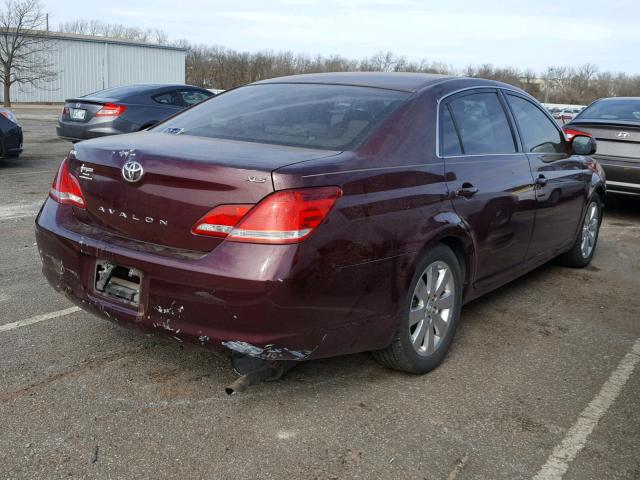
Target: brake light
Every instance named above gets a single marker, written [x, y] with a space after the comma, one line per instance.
[111, 110]
[65, 110]
[66, 188]
[287, 216]
[569, 133]
[220, 221]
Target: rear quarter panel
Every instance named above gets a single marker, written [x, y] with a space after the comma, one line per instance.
[395, 204]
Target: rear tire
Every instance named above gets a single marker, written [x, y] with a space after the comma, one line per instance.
[430, 315]
[584, 248]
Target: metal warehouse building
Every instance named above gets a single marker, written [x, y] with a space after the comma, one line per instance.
[86, 64]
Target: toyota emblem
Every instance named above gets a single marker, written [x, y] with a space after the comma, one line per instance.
[132, 171]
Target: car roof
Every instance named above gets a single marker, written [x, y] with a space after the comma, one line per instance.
[403, 81]
[615, 99]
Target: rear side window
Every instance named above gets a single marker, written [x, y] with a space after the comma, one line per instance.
[450, 142]
[483, 124]
[167, 98]
[333, 117]
[538, 133]
[191, 97]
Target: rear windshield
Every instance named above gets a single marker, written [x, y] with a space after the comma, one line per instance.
[622, 109]
[332, 117]
[118, 92]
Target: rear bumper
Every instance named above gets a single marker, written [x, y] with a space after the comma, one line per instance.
[76, 131]
[11, 142]
[623, 176]
[266, 301]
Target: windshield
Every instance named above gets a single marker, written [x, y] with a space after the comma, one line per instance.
[627, 109]
[332, 117]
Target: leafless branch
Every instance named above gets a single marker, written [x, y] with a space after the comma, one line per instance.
[24, 47]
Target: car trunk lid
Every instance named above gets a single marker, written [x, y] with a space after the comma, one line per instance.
[183, 178]
[616, 140]
[83, 109]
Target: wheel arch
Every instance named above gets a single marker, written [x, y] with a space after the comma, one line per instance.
[457, 236]
[601, 192]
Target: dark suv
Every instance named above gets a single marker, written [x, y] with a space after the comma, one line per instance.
[317, 215]
[124, 109]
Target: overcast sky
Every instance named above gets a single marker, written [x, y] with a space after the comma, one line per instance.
[523, 33]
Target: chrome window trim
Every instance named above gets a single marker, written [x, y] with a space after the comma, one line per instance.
[478, 87]
[622, 184]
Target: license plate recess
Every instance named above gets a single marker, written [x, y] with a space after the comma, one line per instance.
[118, 282]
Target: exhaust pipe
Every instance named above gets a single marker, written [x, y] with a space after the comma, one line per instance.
[268, 371]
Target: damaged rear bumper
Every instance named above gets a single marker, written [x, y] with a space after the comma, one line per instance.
[267, 304]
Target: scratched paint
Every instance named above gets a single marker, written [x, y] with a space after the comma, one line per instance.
[173, 310]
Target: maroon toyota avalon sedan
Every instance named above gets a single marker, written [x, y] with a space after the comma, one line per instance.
[318, 215]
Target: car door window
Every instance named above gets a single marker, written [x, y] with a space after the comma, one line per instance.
[450, 141]
[538, 133]
[482, 124]
[191, 97]
[167, 98]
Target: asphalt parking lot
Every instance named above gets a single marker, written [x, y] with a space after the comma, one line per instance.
[542, 370]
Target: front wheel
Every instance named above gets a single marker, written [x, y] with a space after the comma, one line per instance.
[583, 249]
[430, 315]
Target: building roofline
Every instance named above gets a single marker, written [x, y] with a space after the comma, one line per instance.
[94, 39]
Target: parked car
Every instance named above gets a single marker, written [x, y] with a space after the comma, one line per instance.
[567, 114]
[554, 111]
[615, 123]
[124, 109]
[10, 134]
[318, 215]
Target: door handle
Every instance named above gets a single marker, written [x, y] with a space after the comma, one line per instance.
[466, 190]
[541, 181]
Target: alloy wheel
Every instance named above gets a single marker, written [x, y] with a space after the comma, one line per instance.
[589, 230]
[432, 307]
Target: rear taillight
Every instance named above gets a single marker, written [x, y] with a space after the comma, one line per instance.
[110, 110]
[220, 221]
[8, 114]
[66, 188]
[570, 133]
[65, 111]
[288, 216]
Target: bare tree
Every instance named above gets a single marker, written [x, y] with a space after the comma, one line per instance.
[24, 50]
[114, 30]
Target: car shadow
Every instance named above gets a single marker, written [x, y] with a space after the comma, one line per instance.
[623, 207]
[10, 163]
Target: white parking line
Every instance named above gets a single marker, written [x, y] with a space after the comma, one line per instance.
[37, 319]
[9, 212]
[576, 438]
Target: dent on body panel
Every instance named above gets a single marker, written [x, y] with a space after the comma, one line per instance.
[382, 213]
[269, 351]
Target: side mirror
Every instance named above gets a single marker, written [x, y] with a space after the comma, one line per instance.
[583, 145]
